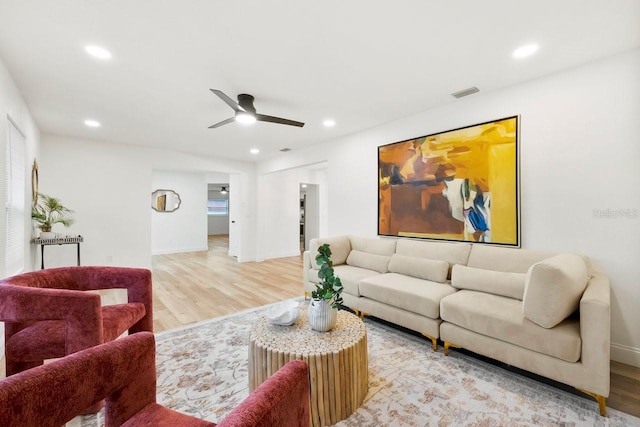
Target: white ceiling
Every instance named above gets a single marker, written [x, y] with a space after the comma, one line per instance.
[360, 62]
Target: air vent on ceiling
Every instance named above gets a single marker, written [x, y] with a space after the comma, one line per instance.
[284, 150]
[465, 92]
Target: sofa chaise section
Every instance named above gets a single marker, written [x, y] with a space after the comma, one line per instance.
[564, 341]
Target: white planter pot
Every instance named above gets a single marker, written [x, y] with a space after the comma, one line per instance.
[47, 235]
[322, 317]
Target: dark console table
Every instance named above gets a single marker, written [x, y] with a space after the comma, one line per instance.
[58, 241]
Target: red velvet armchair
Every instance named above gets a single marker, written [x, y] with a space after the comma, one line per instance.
[48, 315]
[124, 373]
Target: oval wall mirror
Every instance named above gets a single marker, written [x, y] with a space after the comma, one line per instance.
[165, 201]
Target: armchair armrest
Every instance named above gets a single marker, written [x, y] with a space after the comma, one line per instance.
[79, 310]
[282, 400]
[137, 282]
[123, 369]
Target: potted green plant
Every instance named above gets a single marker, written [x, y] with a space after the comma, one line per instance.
[327, 297]
[48, 212]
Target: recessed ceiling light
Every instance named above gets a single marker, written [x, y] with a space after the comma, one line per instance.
[329, 123]
[304, 185]
[254, 151]
[526, 50]
[98, 52]
[92, 123]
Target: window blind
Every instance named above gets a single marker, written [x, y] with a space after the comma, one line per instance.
[15, 201]
[218, 207]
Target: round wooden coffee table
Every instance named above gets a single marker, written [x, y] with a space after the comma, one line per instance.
[338, 362]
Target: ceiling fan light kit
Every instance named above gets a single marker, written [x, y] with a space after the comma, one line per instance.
[246, 113]
[245, 118]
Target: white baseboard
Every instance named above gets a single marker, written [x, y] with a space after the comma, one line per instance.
[625, 354]
[179, 250]
[282, 255]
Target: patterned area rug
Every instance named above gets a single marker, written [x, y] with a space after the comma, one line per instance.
[202, 371]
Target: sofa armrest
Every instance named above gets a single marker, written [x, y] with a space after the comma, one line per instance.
[306, 260]
[306, 266]
[595, 331]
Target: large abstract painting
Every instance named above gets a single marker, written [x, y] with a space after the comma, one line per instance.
[457, 185]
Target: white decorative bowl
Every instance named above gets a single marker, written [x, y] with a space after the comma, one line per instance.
[284, 313]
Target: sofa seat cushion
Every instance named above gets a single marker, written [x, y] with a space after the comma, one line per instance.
[349, 275]
[408, 293]
[502, 318]
[494, 282]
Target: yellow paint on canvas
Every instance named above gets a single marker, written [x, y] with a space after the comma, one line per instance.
[503, 182]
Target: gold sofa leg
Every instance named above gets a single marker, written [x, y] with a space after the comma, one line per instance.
[602, 401]
[434, 341]
[447, 344]
[359, 313]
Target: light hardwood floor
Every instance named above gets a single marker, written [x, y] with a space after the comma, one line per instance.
[194, 286]
[190, 287]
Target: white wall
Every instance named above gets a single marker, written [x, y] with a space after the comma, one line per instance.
[279, 211]
[13, 106]
[109, 187]
[279, 219]
[579, 152]
[183, 230]
[311, 214]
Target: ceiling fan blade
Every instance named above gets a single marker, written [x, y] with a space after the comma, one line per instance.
[230, 102]
[271, 119]
[224, 122]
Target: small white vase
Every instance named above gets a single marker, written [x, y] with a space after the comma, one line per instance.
[322, 317]
[47, 235]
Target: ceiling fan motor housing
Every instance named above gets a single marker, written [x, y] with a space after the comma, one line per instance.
[246, 102]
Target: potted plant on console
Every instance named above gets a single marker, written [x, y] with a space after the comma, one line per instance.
[49, 211]
[326, 298]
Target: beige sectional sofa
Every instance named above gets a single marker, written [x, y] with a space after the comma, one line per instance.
[543, 312]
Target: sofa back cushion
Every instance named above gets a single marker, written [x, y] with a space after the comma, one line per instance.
[511, 260]
[369, 261]
[553, 289]
[421, 268]
[340, 247]
[453, 253]
[373, 246]
[494, 282]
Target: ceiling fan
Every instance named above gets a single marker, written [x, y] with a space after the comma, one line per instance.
[246, 112]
